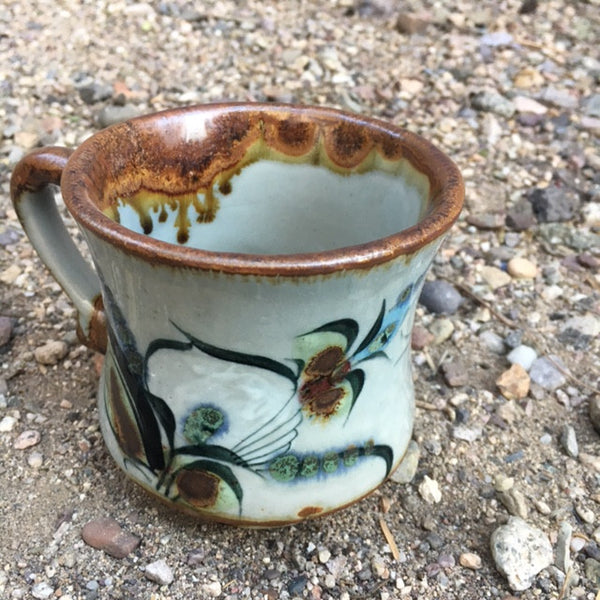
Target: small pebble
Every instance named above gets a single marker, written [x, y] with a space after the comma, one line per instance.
[159, 572]
[429, 490]
[35, 460]
[514, 502]
[520, 552]
[553, 204]
[470, 560]
[563, 543]
[27, 439]
[522, 355]
[502, 483]
[514, 383]
[51, 352]
[441, 329]
[546, 374]
[42, 590]
[408, 467]
[440, 297]
[455, 373]
[585, 514]
[590, 461]
[494, 277]
[324, 555]
[521, 268]
[212, 589]
[568, 440]
[592, 571]
[7, 424]
[492, 341]
[420, 338]
[106, 534]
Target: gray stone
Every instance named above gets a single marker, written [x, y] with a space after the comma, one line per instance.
[520, 552]
[493, 102]
[408, 467]
[574, 237]
[440, 297]
[594, 411]
[553, 204]
[522, 355]
[110, 115]
[546, 374]
[568, 440]
[520, 217]
[559, 98]
[579, 331]
[563, 547]
[514, 502]
[592, 105]
[159, 572]
[492, 341]
[9, 236]
[455, 373]
[93, 92]
[592, 570]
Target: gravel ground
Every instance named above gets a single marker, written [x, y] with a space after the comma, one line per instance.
[511, 454]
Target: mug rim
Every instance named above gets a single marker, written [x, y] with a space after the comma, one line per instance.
[446, 203]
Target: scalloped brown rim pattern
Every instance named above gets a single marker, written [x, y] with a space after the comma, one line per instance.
[136, 150]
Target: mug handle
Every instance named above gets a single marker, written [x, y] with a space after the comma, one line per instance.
[35, 205]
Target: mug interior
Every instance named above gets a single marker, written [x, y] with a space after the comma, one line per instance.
[277, 207]
[220, 186]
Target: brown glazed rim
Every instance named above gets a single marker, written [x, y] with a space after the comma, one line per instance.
[109, 151]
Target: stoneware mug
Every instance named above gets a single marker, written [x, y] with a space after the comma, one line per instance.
[257, 269]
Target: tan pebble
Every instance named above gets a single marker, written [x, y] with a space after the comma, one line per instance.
[514, 383]
[470, 560]
[51, 352]
[27, 439]
[521, 268]
[495, 278]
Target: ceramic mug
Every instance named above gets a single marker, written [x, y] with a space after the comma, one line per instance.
[257, 269]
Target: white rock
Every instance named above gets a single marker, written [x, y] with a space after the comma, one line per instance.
[212, 589]
[42, 590]
[520, 552]
[429, 490]
[7, 424]
[160, 572]
[522, 355]
[524, 104]
[35, 460]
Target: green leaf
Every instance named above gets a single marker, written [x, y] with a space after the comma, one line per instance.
[213, 452]
[347, 327]
[161, 408]
[251, 360]
[222, 472]
[356, 379]
[373, 331]
[385, 452]
[140, 406]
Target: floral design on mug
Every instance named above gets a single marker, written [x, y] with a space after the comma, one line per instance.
[326, 383]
